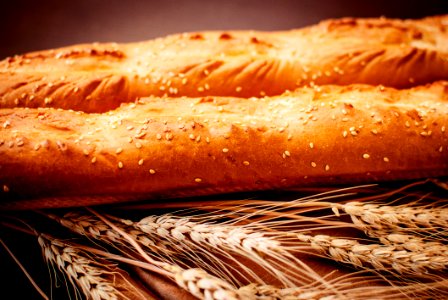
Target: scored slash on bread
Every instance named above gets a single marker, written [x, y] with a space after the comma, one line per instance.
[98, 77]
[195, 146]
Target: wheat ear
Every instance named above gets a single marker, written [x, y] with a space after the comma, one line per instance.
[92, 227]
[262, 247]
[380, 257]
[80, 269]
[372, 218]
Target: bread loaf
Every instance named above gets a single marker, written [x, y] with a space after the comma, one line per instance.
[195, 146]
[98, 77]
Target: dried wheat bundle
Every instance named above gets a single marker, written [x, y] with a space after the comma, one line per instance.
[253, 249]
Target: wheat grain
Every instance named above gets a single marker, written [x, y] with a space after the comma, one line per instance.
[269, 292]
[204, 286]
[412, 243]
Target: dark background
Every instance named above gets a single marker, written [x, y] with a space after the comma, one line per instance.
[34, 25]
[28, 25]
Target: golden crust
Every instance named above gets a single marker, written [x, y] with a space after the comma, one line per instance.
[191, 146]
[98, 77]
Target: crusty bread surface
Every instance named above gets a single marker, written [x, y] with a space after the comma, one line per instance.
[98, 77]
[206, 145]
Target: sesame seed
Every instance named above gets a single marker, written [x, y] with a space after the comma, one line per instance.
[130, 127]
[287, 153]
[129, 140]
[200, 89]
[238, 89]
[424, 133]
[344, 134]
[344, 112]
[168, 136]
[93, 160]
[313, 164]
[289, 137]
[366, 156]
[407, 124]
[246, 163]
[37, 147]
[138, 145]
[198, 180]
[140, 162]
[207, 86]
[344, 119]
[207, 139]
[225, 150]
[140, 135]
[198, 138]
[120, 165]
[374, 131]
[441, 149]
[159, 136]
[119, 150]
[75, 89]
[312, 145]
[152, 171]
[327, 167]
[5, 188]
[443, 128]
[191, 136]
[86, 152]
[386, 159]
[184, 81]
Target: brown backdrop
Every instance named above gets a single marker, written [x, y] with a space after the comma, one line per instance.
[28, 25]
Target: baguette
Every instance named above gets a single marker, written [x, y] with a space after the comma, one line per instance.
[98, 77]
[171, 147]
